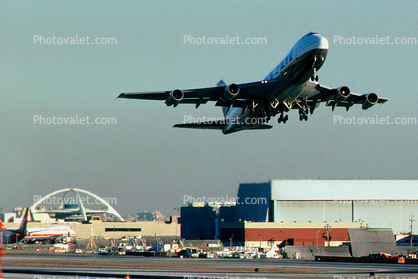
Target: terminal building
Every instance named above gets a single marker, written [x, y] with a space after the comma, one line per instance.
[306, 212]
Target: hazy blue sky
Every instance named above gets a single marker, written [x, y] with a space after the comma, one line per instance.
[142, 161]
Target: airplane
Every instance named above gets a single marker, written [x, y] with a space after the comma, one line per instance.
[48, 234]
[14, 235]
[292, 84]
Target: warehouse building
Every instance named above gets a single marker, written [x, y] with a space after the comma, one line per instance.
[304, 212]
[378, 203]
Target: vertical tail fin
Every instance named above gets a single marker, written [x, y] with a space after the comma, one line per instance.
[225, 111]
[24, 220]
[222, 83]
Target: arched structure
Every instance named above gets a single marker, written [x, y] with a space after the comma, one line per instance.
[73, 207]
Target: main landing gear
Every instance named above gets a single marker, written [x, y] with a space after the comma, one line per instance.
[283, 118]
[303, 114]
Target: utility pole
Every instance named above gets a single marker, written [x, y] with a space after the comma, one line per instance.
[411, 236]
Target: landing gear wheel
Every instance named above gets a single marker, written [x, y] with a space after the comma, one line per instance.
[282, 118]
[303, 115]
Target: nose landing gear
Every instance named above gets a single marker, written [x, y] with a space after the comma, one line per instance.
[317, 59]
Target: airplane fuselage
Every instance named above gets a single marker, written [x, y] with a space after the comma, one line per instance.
[50, 232]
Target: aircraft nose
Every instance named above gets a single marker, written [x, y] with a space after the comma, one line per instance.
[321, 42]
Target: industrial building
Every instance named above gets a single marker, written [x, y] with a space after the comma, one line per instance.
[378, 203]
[303, 212]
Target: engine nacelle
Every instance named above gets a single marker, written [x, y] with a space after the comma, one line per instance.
[370, 99]
[343, 92]
[174, 97]
[231, 91]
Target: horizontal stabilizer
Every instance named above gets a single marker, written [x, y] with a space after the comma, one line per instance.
[261, 127]
[217, 125]
[214, 125]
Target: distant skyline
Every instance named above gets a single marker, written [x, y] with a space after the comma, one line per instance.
[136, 156]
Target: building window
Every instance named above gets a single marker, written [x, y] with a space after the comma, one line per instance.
[122, 229]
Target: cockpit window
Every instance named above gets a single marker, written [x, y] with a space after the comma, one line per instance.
[311, 33]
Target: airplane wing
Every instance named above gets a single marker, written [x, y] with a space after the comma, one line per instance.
[254, 90]
[339, 97]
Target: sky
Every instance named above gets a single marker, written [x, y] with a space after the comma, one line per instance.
[145, 164]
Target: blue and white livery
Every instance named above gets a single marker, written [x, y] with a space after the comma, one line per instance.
[292, 84]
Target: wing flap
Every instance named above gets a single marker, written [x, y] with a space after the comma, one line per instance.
[320, 93]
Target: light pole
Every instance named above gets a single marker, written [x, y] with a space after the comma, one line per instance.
[411, 233]
[328, 228]
[260, 241]
[317, 240]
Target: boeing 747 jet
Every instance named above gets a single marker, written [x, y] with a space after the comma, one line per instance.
[293, 84]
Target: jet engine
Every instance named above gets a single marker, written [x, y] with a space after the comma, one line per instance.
[231, 91]
[174, 97]
[343, 93]
[370, 99]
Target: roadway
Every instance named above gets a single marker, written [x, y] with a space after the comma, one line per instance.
[46, 266]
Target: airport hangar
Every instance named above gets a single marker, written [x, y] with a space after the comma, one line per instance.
[307, 212]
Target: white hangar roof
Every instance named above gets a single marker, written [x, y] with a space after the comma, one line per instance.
[344, 189]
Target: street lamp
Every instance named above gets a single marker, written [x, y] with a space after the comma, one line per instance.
[328, 228]
[317, 240]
